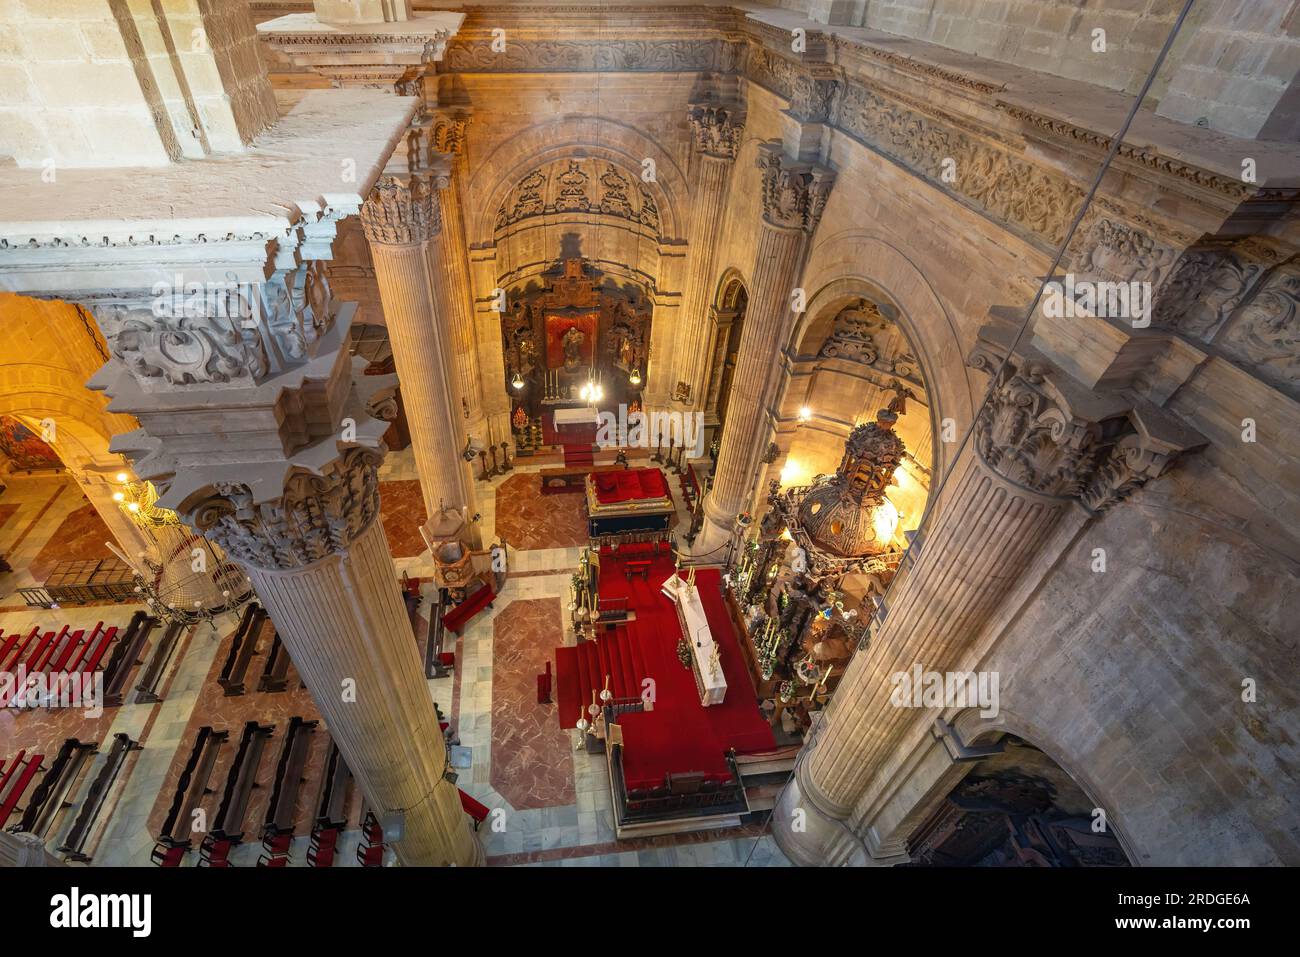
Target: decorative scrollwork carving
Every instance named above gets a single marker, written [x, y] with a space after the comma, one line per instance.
[794, 194]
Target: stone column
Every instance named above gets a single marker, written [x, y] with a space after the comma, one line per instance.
[452, 273]
[319, 562]
[717, 131]
[268, 443]
[794, 195]
[400, 217]
[1045, 450]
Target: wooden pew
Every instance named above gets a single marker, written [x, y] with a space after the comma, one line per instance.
[74, 661]
[44, 660]
[128, 653]
[146, 692]
[191, 787]
[242, 649]
[49, 800]
[433, 663]
[72, 645]
[240, 781]
[15, 783]
[15, 655]
[277, 667]
[75, 841]
[288, 777]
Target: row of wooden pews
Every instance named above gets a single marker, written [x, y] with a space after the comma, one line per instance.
[243, 776]
[331, 809]
[63, 655]
[244, 647]
[50, 801]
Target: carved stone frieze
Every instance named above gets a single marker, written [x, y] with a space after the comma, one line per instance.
[1005, 187]
[1205, 286]
[794, 194]
[401, 211]
[477, 55]
[317, 515]
[717, 130]
[202, 346]
[1113, 251]
[580, 186]
[1264, 334]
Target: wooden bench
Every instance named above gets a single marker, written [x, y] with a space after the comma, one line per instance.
[240, 781]
[74, 843]
[15, 783]
[49, 800]
[128, 653]
[288, 778]
[242, 649]
[274, 675]
[456, 619]
[638, 566]
[191, 787]
[146, 692]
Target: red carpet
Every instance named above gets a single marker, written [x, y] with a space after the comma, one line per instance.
[680, 735]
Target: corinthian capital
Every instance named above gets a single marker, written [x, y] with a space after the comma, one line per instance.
[1044, 431]
[794, 194]
[716, 129]
[449, 132]
[400, 211]
[318, 514]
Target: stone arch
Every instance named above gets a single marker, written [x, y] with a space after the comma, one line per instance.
[858, 263]
[976, 732]
[623, 146]
[45, 379]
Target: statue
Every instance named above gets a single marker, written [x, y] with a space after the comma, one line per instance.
[572, 343]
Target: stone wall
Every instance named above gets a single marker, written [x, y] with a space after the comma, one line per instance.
[88, 83]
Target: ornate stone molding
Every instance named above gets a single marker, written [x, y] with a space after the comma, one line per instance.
[627, 56]
[1046, 433]
[222, 335]
[794, 194]
[1264, 334]
[401, 211]
[317, 516]
[716, 129]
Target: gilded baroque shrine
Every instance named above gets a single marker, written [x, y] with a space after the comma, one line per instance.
[800, 433]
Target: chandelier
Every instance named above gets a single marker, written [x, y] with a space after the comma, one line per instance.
[187, 579]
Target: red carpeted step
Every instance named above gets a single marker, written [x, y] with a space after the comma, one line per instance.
[617, 682]
[638, 659]
[606, 666]
[629, 666]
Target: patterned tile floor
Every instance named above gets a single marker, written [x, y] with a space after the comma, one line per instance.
[551, 799]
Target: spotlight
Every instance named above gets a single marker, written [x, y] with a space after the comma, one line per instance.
[122, 477]
[805, 414]
[635, 377]
[119, 496]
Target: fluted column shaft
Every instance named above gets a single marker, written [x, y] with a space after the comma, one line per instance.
[988, 533]
[456, 296]
[776, 269]
[694, 347]
[346, 629]
[400, 218]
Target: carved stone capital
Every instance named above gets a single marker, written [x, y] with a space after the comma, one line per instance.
[316, 516]
[401, 211]
[716, 129]
[448, 134]
[794, 194]
[1041, 430]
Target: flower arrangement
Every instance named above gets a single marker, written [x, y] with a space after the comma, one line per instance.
[684, 653]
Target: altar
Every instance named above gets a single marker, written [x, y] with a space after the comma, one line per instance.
[710, 682]
[586, 416]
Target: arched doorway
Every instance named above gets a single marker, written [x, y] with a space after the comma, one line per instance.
[1015, 808]
[729, 318]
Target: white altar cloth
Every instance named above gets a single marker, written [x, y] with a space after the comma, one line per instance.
[706, 663]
